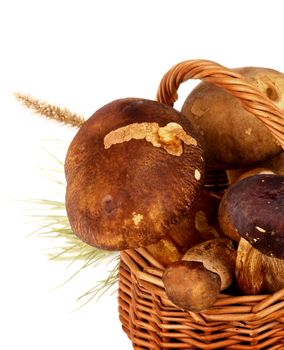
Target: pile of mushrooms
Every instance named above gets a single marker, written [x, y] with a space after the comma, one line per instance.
[135, 176]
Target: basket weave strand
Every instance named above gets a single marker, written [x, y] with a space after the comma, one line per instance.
[252, 99]
[151, 321]
[244, 322]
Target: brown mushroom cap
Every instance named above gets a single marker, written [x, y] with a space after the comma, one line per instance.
[233, 137]
[190, 285]
[217, 255]
[128, 192]
[255, 210]
[194, 282]
[223, 213]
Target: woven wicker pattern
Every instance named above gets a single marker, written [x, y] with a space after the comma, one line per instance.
[234, 322]
[152, 322]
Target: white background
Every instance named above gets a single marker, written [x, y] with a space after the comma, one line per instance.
[81, 55]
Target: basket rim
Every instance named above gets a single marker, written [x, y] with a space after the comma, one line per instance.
[147, 272]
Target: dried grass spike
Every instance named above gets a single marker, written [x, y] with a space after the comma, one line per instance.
[61, 115]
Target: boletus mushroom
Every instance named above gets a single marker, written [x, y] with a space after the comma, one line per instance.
[133, 172]
[253, 208]
[233, 137]
[223, 215]
[256, 272]
[194, 282]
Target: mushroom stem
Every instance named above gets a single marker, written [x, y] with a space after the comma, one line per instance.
[165, 251]
[273, 273]
[248, 271]
[194, 282]
[257, 272]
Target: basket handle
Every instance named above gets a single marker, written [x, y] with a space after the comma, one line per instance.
[251, 98]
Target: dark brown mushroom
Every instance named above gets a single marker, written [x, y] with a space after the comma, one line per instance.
[194, 282]
[253, 208]
[223, 215]
[133, 171]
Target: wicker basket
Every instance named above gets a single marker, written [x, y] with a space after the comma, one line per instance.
[148, 317]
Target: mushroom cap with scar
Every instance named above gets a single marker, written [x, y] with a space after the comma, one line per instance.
[133, 171]
[254, 209]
